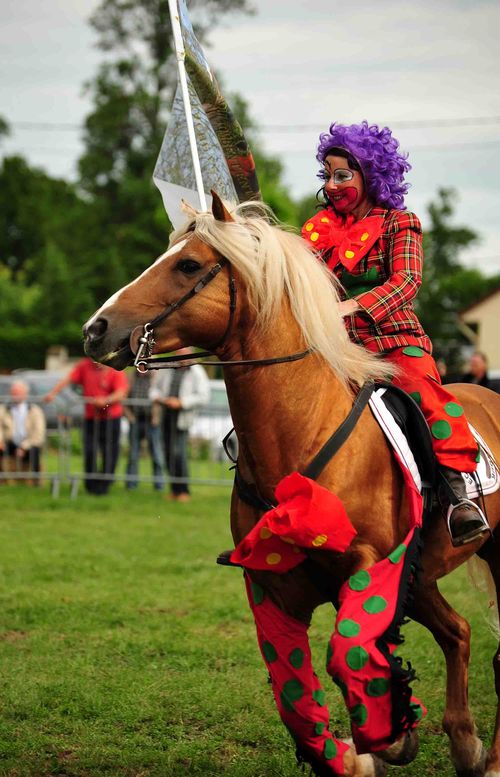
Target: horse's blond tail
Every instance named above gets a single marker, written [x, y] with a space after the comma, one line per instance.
[482, 579]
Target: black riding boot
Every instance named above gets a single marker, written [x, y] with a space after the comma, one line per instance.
[466, 521]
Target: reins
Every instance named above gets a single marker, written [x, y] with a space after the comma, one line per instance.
[145, 361]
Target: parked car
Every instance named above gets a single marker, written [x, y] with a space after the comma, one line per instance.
[213, 421]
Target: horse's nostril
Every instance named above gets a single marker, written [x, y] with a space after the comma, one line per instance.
[96, 329]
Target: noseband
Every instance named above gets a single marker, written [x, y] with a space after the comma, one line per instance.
[142, 340]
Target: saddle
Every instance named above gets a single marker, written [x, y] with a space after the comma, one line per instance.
[410, 420]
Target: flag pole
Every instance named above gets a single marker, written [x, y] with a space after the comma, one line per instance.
[181, 54]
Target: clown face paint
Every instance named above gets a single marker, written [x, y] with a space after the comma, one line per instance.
[345, 188]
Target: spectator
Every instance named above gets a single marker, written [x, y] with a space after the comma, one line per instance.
[103, 390]
[144, 420]
[22, 433]
[179, 391]
[442, 369]
[478, 370]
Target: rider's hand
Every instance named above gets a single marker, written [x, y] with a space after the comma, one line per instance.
[348, 306]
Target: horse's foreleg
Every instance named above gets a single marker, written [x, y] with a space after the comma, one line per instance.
[452, 633]
[284, 644]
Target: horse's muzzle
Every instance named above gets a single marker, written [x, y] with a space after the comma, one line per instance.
[100, 346]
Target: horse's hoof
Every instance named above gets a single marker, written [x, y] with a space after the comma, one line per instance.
[477, 770]
[402, 752]
[379, 766]
[371, 765]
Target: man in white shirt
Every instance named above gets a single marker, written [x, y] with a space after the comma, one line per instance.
[22, 432]
[179, 392]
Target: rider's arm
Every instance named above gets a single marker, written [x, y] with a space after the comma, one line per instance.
[403, 261]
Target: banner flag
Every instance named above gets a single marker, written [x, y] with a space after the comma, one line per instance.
[227, 164]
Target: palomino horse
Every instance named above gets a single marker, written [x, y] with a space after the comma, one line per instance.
[268, 296]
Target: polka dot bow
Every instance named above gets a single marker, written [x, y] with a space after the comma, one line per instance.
[307, 516]
[350, 240]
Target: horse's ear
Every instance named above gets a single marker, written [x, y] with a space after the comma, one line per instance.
[219, 210]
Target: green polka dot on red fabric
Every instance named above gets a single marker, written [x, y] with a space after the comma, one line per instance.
[269, 651]
[397, 554]
[293, 691]
[257, 593]
[330, 749]
[377, 687]
[416, 709]
[340, 685]
[329, 653]
[453, 409]
[374, 605]
[296, 658]
[358, 714]
[417, 396]
[348, 628]
[360, 581]
[319, 728]
[319, 697]
[441, 430]
[356, 658]
[413, 350]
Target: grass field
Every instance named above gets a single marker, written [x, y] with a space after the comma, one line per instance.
[124, 649]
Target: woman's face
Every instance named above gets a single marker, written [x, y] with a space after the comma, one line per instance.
[345, 188]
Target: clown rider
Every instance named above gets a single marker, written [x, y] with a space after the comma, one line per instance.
[374, 247]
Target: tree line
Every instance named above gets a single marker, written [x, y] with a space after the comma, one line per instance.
[66, 246]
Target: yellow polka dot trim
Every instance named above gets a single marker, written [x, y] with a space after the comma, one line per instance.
[272, 559]
[349, 254]
[365, 236]
[319, 540]
[265, 533]
[324, 220]
[314, 236]
[309, 226]
[289, 540]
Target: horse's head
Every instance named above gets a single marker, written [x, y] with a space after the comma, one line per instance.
[112, 333]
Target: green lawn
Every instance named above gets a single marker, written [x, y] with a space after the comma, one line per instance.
[126, 651]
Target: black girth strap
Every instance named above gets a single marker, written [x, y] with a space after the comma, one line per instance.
[338, 438]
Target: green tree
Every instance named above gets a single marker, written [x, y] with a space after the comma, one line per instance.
[34, 208]
[4, 128]
[448, 287]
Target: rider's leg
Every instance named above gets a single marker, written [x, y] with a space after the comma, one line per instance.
[453, 443]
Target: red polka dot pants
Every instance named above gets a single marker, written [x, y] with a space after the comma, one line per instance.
[452, 439]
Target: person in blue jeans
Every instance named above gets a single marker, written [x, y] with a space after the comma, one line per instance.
[178, 393]
[143, 426]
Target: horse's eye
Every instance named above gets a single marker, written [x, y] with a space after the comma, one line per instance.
[188, 266]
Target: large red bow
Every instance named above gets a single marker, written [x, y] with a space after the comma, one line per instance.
[350, 240]
[307, 516]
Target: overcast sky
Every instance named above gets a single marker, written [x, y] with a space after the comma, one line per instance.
[422, 69]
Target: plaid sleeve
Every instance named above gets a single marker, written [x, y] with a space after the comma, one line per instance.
[404, 259]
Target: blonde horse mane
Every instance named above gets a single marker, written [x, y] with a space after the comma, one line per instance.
[274, 261]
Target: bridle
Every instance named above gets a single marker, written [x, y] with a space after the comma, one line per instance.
[144, 359]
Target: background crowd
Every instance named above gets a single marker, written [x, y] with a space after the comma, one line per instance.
[160, 409]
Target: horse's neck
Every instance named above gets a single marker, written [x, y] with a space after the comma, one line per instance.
[282, 413]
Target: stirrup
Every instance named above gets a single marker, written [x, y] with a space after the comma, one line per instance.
[473, 535]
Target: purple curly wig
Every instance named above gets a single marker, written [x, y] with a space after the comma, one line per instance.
[376, 152]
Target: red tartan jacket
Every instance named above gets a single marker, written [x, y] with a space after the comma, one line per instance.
[384, 281]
